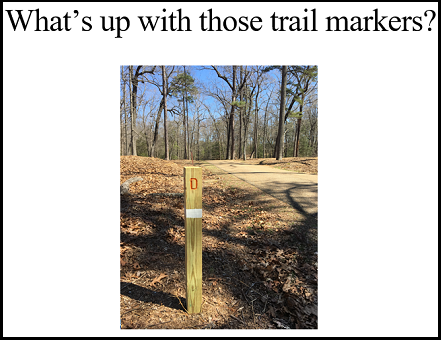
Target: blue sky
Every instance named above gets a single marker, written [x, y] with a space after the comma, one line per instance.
[208, 75]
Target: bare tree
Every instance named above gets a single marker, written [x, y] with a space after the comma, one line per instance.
[234, 90]
[222, 98]
[159, 85]
[247, 117]
[146, 128]
[265, 121]
[134, 81]
[156, 129]
[124, 142]
[164, 86]
[132, 120]
[305, 77]
[250, 88]
[282, 113]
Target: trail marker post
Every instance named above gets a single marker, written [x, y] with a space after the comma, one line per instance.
[193, 237]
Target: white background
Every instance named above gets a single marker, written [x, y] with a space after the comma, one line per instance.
[378, 99]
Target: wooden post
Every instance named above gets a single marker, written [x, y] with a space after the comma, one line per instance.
[193, 237]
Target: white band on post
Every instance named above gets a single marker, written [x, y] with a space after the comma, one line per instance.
[193, 213]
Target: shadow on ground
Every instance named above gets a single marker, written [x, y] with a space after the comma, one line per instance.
[228, 274]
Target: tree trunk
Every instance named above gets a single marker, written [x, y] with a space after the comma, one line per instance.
[133, 84]
[264, 122]
[246, 121]
[134, 105]
[164, 90]
[228, 140]
[121, 125]
[220, 148]
[294, 140]
[147, 142]
[124, 113]
[155, 134]
[126, 139]
[132, 135]
[198, 134]
[188, 130]
[241, 112]
[184, 125]
[177, 139]
[264, 133]
[256, 120]
[233, 99]
[280, 135]
[299, 122]
[244, 153]
[185, 121]
[276, 146]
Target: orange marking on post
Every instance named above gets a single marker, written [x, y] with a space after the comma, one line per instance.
[195, 183]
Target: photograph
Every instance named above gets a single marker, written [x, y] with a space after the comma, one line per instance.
[218, 191]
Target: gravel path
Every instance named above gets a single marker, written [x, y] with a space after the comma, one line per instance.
[299, 190]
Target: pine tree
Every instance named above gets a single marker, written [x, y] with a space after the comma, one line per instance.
[183, 88]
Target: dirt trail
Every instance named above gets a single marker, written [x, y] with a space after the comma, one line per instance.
[298, 190]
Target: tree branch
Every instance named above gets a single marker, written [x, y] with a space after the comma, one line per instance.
[222, 77]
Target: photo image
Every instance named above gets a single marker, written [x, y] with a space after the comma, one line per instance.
[218, 196]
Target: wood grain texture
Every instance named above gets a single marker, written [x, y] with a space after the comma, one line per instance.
[193, 197]
[193, 239]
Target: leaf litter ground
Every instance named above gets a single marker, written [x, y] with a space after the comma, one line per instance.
[259, 254]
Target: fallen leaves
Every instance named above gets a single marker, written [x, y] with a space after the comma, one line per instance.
[240, 237]
[159, 278]
[286, 287]
[280, 324]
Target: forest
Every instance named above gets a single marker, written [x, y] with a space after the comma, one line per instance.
[219, 112]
